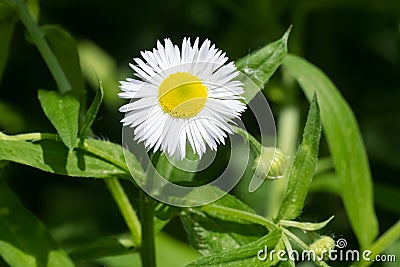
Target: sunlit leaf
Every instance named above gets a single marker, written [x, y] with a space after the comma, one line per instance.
[174, 252]
[346, 146]
[306, 226]
[94, 158]
[24, 241]
[245, 255]
[211, 234]
[303, 167]
[63, 112]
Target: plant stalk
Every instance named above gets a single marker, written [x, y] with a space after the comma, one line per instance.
[128, 213]
[43, 47]
[147, 252]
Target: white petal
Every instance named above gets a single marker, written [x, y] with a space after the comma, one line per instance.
[159, 130]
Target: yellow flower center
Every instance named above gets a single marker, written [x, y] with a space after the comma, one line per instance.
[182, 95]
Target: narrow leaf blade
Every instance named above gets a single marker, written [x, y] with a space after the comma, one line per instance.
[63, 112]
[346, 146]
[303, 167]
[245, 255]
[306, 226]
[260, 65]
[92, 111]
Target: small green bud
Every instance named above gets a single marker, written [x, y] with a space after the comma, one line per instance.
[270, 164]
[323, 246]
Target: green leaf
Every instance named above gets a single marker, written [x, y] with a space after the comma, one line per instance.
[163, 214]
[327, 183]
[24, 241]
[306, 226]
[114, 154]
[97, 62]
[65, 49]
[63, 112]
[7, 24]
[303, 167]
[261, 64]
[34, 9]
[210, 234]
[16, 257]
[346, 146]
[52, 156]
[92, 111]
[106, 246]
[245, 255]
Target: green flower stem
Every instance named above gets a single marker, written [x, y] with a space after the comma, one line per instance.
[126, 209]
[253, 142]
[383, 242]
[43, 47]
[147, 252]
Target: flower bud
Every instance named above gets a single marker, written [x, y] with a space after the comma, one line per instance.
[323, 246]
[270, 164]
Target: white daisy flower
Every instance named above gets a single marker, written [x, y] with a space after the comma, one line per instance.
[182, 94]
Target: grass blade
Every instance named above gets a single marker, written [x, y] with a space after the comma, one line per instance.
[303, 167]
[346, 146]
